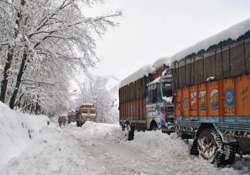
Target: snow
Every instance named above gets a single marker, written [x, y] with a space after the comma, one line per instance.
[157, 80]
[114, 111]
[172, 155]
[102, 149]
[234, 32]
[144, 71]
[17, 131]
[92, 131]
[87, 104]
[161, 61]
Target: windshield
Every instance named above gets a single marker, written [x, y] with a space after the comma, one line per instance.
[156, 91]
[153, 93]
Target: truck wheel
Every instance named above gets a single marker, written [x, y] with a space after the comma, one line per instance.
[78, 124]
[210, 146]
[131, 133]
[178, 132]
[153, 126]
[230, 152]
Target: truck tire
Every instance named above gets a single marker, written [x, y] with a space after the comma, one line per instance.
[231, 151]
[153, 126]
[210, 147]
[78, 124]
[131, 133]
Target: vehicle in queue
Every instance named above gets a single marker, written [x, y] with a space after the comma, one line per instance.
[206, 95]
[146, 103]
[212, 97]
[72, 116]
[86, 112]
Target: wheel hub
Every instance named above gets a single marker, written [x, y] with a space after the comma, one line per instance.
[207, 147]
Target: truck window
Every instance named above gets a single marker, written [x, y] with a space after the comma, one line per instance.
[170, 109]
[153, 93]
[166, 89]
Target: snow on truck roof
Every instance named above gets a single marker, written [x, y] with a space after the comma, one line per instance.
[87, 104]
[234, 32]
[144, 71]
[158, 63]
[157, 80]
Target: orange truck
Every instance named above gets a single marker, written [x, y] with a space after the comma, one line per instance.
[212, 100]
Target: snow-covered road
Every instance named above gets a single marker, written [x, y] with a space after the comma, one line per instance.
[101, 149]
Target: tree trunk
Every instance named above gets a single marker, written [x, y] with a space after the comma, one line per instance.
[18, 80]
[4, 82]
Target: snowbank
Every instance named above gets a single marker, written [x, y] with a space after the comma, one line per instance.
[97, 131]
[98, 149]
[174, 154]
[92, 129]
[17, 131]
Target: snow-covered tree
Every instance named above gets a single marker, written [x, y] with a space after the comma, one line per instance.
[42, 42]
[94, 90]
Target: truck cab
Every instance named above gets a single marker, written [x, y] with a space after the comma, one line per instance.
[159, 106]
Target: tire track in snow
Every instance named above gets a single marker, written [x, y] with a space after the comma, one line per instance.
[79, 151]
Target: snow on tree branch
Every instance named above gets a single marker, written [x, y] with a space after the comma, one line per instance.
[42, 44]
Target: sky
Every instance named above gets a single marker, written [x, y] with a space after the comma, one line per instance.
[151, 29]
